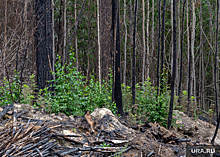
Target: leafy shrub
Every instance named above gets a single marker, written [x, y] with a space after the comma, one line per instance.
[72, 94]
[150, 107]
[12, 92]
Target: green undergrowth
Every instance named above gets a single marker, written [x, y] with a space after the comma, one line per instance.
[15, 92]
[73, 95]
[149, 107]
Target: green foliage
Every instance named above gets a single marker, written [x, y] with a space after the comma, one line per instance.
[11, 92]
[73, 94]
[150, 107]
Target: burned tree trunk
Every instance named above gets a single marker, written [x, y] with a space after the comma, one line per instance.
[117, 92]
[134, 57]
[44, 41]
[181, 54]
[158, 54]
[174, 67]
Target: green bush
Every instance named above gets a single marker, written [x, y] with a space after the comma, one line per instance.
[72, 94]
[150, 107]
[12, 92]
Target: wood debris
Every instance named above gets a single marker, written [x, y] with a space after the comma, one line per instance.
[89, 135]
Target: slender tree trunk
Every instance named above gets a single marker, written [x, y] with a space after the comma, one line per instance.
[134, 56]
[211, 52]
[187, 28]
[189, 64]
[215, 72]
[148, 49]
[125, 49]
[118, 93]
[174, 67]
[131, 36]
[59, 43]
[158, 55]
[113, 47]
[64, 32]
[76, 42]
[99, 46]
[216, 62]
[5, 46]
[25, 20]
[192, 47]
[144, 48]
[203, 83]
[152, 33]
[53, 36]
[89, 43]
[171, 58]
[178, 46]
[162, 44]
[201, 58]
[181, 53]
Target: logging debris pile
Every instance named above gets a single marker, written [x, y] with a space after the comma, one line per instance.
[25, 131]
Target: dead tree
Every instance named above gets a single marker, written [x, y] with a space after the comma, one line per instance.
[44, 42]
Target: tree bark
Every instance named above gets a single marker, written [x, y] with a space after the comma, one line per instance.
[211, 51]
[144, 48]
[5, 46]
[189, 65]
[152, 30]
[53, 38]
[171, 58]
[201, 60]
[181, 52]
[131, 36]
[192, 47]
[76, 42]
[158, 55]
[134, 57]
[174, 67]
[64, 32]
[44, 42]
[118, 93]
[125, 48]
[99, 47]
[148, 49]
[162, 45]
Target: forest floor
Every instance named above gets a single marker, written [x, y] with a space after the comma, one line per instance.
[103, 134]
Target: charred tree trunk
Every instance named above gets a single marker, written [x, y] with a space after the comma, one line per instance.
[158, 57]
[44, 42]
[174, 67]
[118, 93]
[134, 56]
[181, 53]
